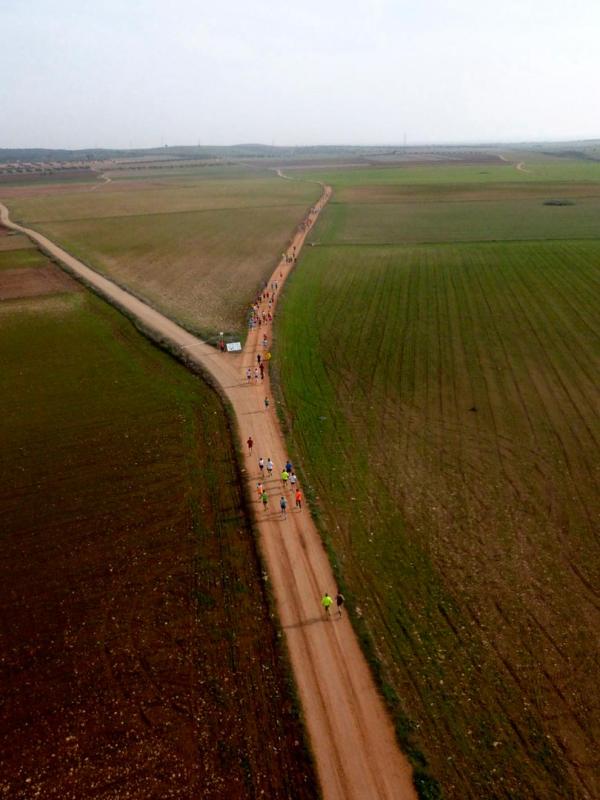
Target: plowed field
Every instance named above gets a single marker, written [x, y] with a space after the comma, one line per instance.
[138, 655]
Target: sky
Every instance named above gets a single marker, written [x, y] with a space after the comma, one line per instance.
[143, 73]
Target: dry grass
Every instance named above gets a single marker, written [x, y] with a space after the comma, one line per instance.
[197, 250]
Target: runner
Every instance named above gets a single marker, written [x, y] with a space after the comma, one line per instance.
[326, 602]
[293, 480]
[298, 499]
[265, 500]
[288, 465]
[250, 442]
[259, 489]
[283, 506]
[339, 599]
[266, 403]
[248, 375]
[269, 467]
[284, 478]
[261, 466]
[262, 372]
[258, 358]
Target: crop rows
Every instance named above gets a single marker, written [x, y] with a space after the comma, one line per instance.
[447, 411]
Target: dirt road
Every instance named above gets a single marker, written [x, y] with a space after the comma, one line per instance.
[352, 736]
[521, 167]
[104, 178]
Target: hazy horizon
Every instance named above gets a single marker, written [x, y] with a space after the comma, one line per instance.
[382, 74]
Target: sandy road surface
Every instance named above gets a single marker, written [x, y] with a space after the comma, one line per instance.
[104, 178]
[521, 167]
[351, 733]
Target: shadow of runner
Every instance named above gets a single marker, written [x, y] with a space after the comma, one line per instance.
[305, 622]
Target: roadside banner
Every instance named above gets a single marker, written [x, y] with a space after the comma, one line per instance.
[233, 347]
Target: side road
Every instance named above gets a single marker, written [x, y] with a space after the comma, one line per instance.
[352, 736]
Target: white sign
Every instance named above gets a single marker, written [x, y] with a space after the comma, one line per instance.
[233, 347]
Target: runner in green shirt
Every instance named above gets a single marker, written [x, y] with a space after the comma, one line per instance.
[284, 478]
[326, 602]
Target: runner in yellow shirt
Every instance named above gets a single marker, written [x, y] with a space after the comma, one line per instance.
[326, 602]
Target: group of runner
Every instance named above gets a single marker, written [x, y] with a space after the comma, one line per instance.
[258, 317]
[327, 602]
[288, 478]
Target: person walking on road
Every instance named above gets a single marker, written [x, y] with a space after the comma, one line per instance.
[298, 499]
[339, 601]
[269, 467]
[326, 602]
[284, 479]
[261, 466]
[250, 442]
[283, 506]
[265, 500]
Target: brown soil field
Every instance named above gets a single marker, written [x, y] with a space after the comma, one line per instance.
[138, 660]
[60, 176]
[16, 242]
[15, 283]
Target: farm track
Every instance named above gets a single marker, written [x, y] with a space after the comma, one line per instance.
[352, 737]
[105, 179]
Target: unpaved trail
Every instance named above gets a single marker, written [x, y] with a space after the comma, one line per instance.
[521, 167]
[351, 733]
[104, 178]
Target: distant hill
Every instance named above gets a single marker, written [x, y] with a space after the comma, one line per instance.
[580, 149]
[201, 152]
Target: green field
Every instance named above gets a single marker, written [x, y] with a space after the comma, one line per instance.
[448, 220]
[21, 258]
[443, 402]
[139, 658]
[195, 246]
[540, 169]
